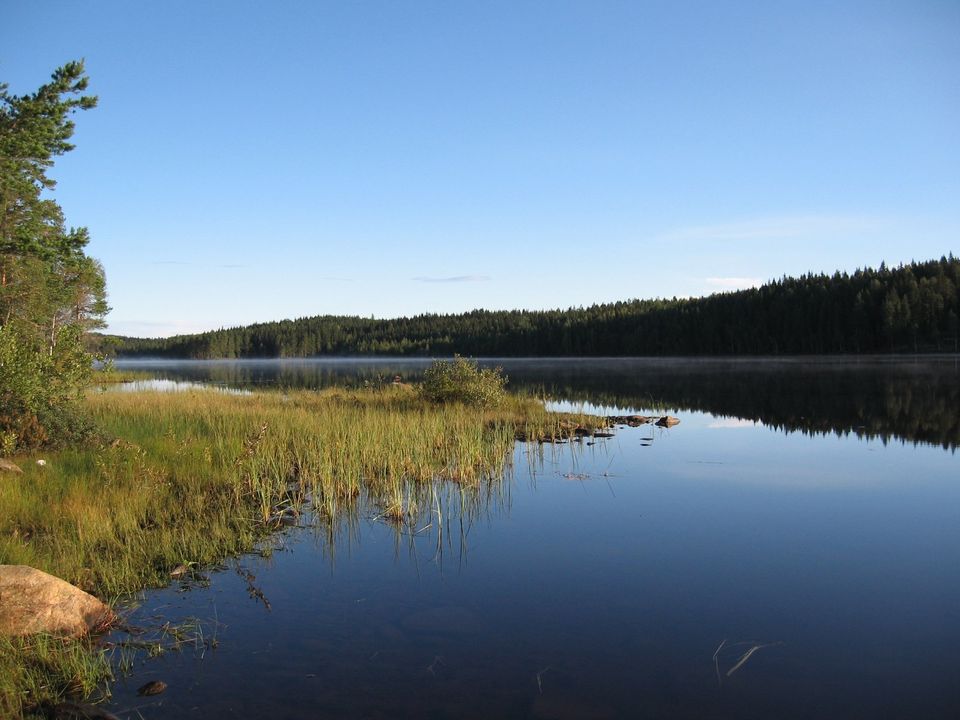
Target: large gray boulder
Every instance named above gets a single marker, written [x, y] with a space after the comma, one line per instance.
[32, 601]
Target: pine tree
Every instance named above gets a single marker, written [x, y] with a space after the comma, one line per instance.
[51, 292]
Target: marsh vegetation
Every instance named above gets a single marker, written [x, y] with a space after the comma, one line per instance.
[186, 479]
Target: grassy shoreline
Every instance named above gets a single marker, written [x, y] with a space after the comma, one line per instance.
[191, 478]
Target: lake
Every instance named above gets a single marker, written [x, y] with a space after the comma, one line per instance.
[791, 549]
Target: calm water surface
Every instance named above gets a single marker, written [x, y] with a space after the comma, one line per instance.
[810, 510]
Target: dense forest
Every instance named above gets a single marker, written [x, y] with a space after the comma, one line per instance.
[910, 308]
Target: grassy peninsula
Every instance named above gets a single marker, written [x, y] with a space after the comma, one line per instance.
[186, 479]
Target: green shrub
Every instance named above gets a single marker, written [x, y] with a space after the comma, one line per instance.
[40, 389]
[463, 381]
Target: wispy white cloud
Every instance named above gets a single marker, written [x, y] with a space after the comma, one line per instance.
[797, 227]
[453, 279]
[733, 283]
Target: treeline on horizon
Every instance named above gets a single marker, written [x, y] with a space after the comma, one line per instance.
[911, 308]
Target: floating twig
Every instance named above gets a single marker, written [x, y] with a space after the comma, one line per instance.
[754, 646]
[747, 654]
[540, 678]
[716, 661]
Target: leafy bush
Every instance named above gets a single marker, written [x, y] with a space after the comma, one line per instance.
[463, 381]
[40, 389]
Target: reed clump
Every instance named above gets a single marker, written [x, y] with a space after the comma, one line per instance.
[196, 476]
[39, 671]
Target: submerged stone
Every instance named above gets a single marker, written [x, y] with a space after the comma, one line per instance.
[154, 687]
[630, 420]
[32, 601]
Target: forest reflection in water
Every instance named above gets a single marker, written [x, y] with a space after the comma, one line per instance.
[911, 399]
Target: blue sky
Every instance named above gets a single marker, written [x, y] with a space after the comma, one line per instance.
[254, 161]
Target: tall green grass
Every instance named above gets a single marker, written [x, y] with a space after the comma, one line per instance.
[40, 670]
[196, 476]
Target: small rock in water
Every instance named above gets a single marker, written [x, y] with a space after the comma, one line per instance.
[154, 687]
[630, 420]
[668, 421]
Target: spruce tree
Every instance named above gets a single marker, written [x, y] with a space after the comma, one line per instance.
[51, 292]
